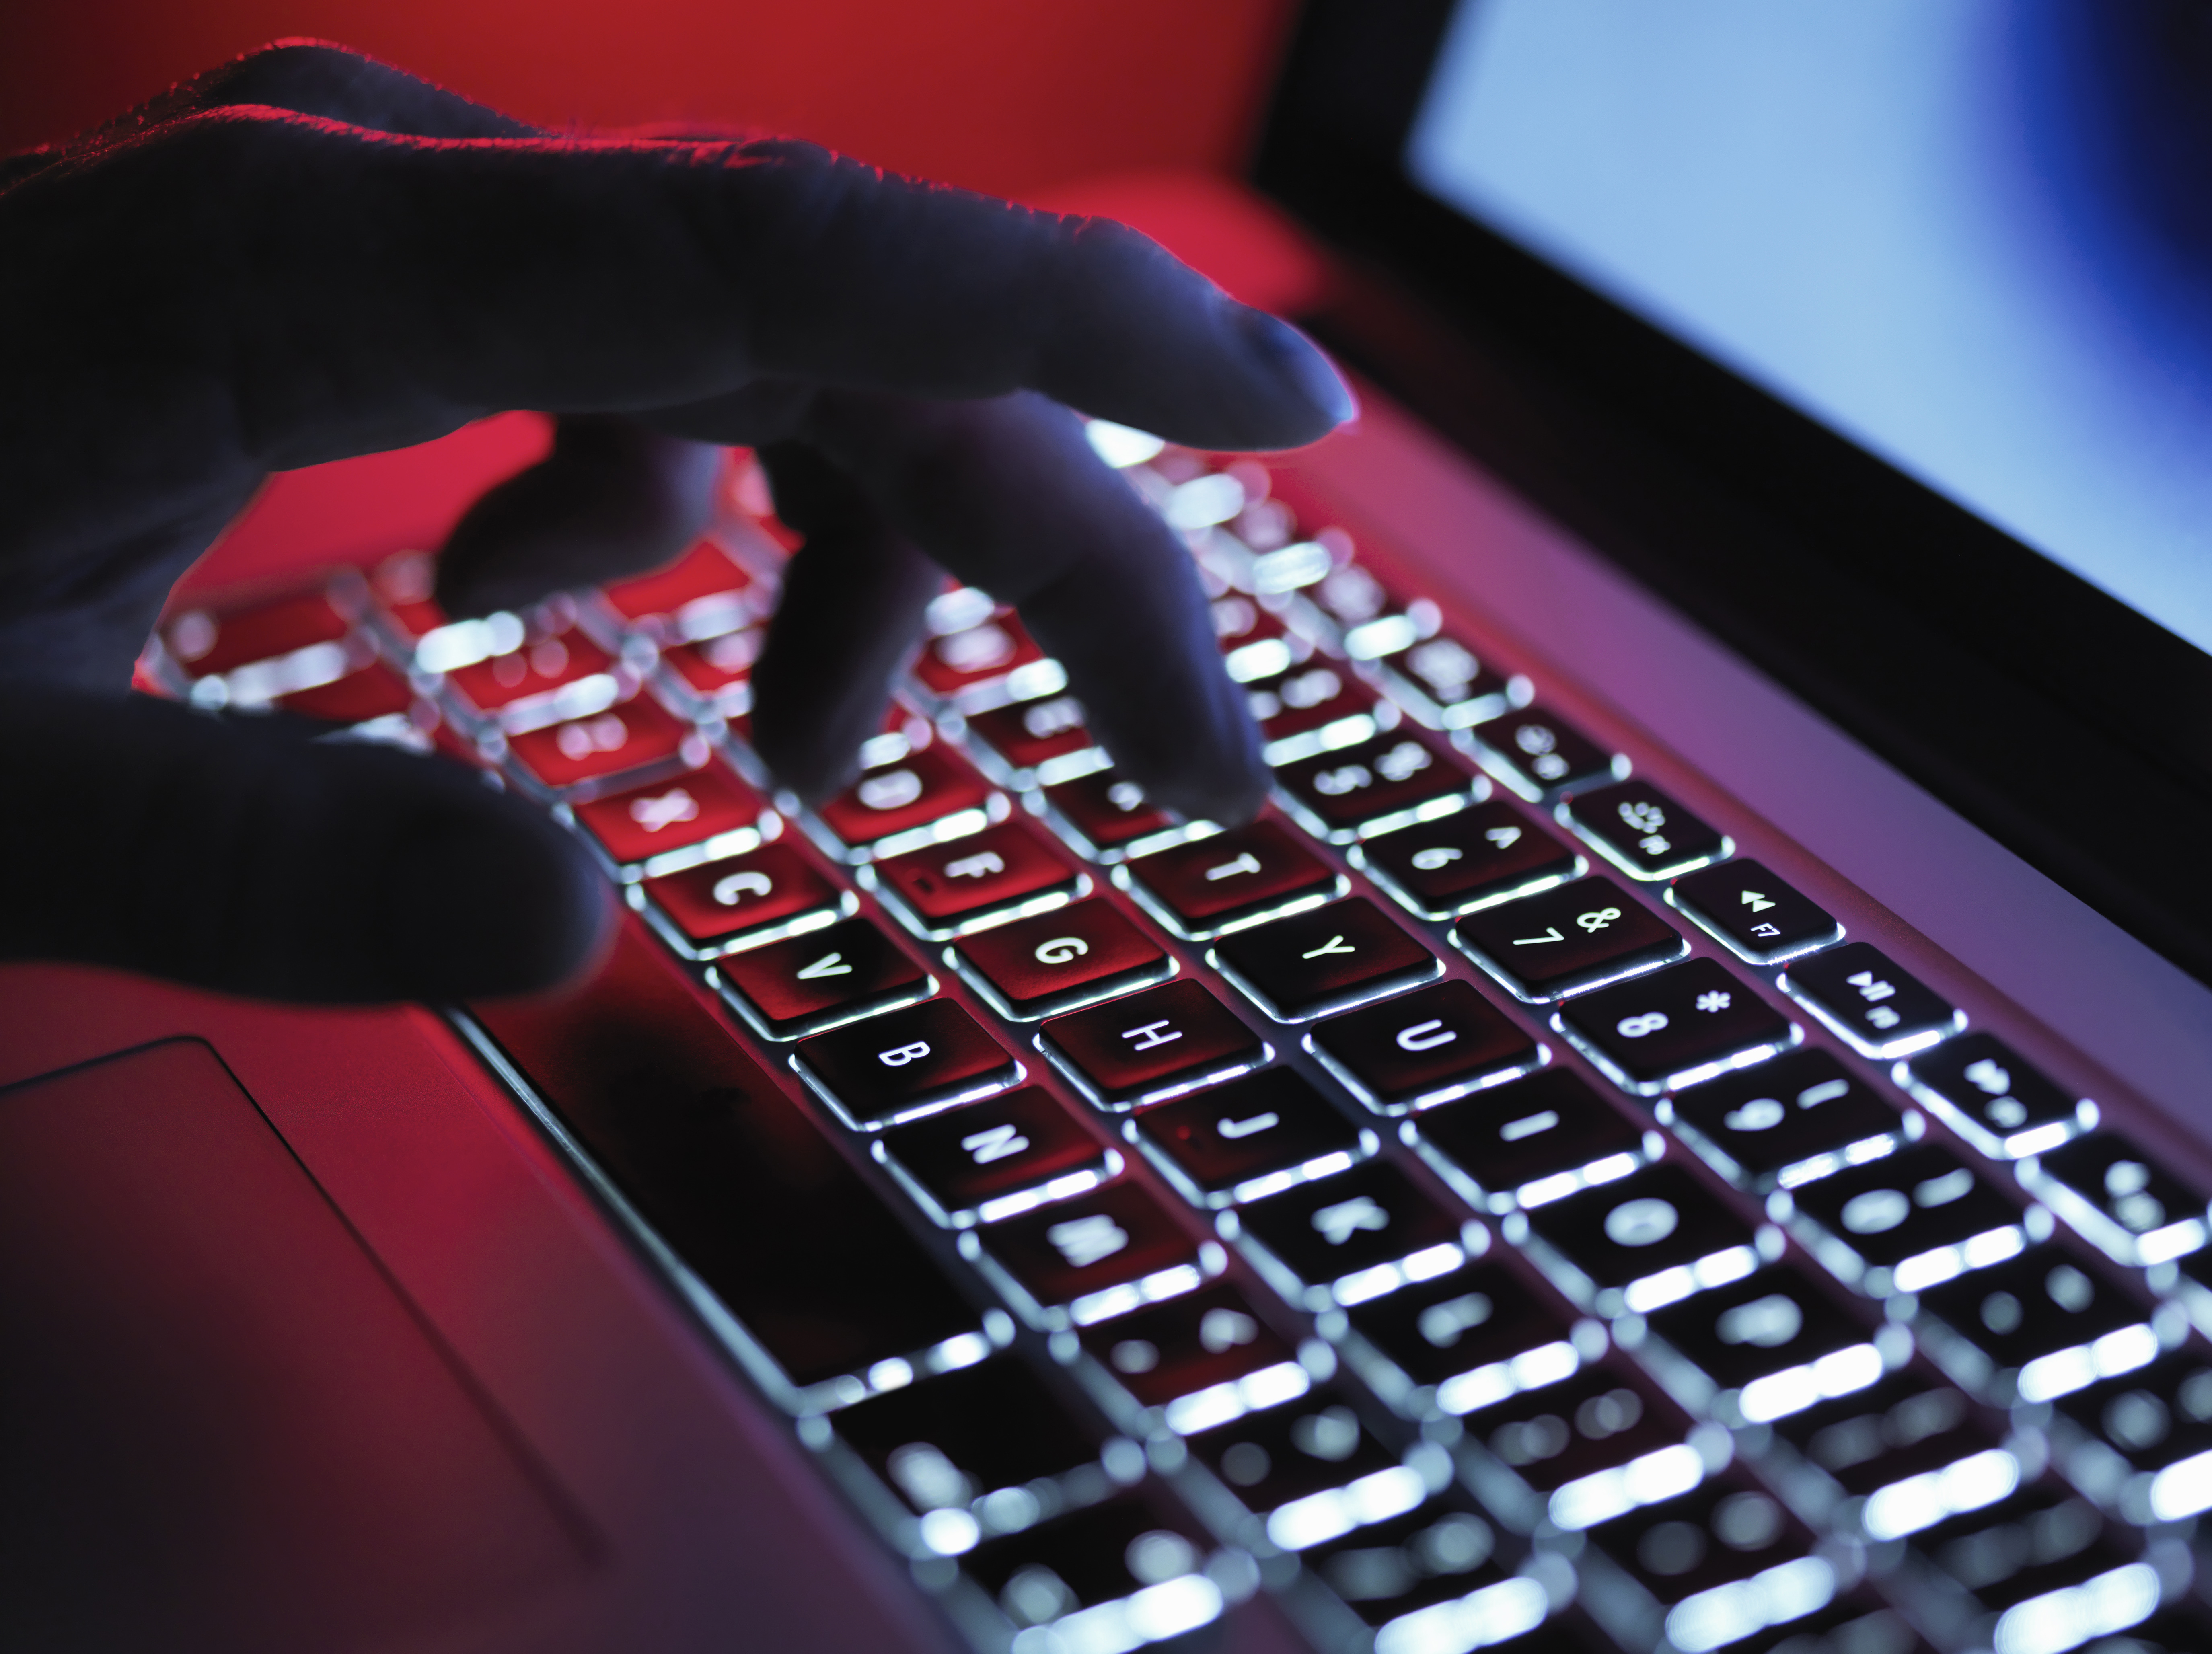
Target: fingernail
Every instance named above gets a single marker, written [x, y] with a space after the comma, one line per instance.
[1298, 359]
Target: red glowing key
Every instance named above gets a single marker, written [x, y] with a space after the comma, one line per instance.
[634, 735]
[703, 593]
[661, 818]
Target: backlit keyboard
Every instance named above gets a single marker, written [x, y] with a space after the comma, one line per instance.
[1479, 1204]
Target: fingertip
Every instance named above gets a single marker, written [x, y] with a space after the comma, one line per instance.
[1302, 367]
[486, 903]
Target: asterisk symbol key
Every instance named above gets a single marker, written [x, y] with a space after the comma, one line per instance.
[1713, 1001]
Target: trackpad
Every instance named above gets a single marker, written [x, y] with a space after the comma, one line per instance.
[220, 1426]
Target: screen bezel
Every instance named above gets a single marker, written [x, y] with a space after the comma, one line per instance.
[2068, 726]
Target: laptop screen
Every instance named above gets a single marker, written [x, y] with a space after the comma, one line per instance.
[1885, 212]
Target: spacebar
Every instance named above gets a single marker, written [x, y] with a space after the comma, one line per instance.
[729, 1171]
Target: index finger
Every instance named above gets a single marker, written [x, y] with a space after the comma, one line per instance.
[375, 283]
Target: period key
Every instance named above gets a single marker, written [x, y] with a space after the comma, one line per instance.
[1754, 913]
[1674, 1026]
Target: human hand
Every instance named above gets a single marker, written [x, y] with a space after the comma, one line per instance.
[306, 255]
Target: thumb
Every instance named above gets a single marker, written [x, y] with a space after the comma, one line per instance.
[242, 854]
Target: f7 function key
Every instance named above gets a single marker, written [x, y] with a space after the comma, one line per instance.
[1756, 915]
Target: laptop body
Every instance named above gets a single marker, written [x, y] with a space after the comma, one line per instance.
[528, 1414]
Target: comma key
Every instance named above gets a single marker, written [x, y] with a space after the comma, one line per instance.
[1560, 941]
[1213, 884]
[1151, 1045]
[1056, 961]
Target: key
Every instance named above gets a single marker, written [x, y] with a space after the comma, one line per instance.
[2144, 1421]
[1879, 1009]
[1566, 939]
[1532, 1141]
[709, 909]
[1768, 1346]
[1439, 679]
[2033, 1328]
[975, 654]
[1906, 1222]
[806, 983]
[1464, 1340]
[1439, 1558]
[1351, 792]
[1698, 1552]
[638, 734]
[1353, 1236]
[1268, 1459]
[1644, 832]
[2022, 1555]
[2117, 1197]
[1105, 816]
[1213, 884]
[953, 1441]
[1101, 1255]
[1299, 711]
[1674, 1027]
[904, 1063]
[1030, 734]
[928, 787]
[730, 1172]
[1754, 913]
[1151, 1045]
[664, 826]
[1904, 1426]
[998, 1157]
[704, 594]
[1535, 754]
[1204, 1357]
[715, 676]
[942, 889]
[1424, 1047]
[519, 687]
[1073, 955]
[1992, 1097]
[1248, 1138]
[1238, 620]
[1784, 1121]
[1474, 859]
[1566, 1435]
[211, 643]
[1093, 1557]
[1343, 954]
[373, 693]
[1642, 1242]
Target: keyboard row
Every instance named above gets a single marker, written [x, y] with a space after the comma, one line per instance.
[1597, 1374]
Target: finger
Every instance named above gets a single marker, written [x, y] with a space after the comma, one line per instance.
[419, 282]
[1007, 495]
[315, 77]
[239, 855]
[851, 610]
[613, 498]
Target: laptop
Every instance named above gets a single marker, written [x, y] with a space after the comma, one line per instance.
[1679, 1129]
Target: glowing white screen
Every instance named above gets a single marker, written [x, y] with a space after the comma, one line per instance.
[1834, 197]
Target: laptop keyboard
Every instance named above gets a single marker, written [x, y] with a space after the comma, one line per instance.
[1476, 1205]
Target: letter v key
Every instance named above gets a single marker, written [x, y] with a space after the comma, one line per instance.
[830, 965]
